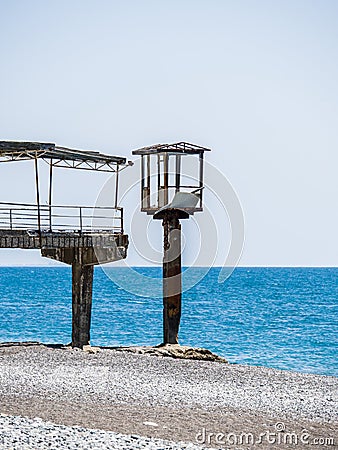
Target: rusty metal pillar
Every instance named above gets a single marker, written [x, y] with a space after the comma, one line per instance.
[172, 277]
[82, 289]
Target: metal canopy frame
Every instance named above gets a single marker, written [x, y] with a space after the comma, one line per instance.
[176, 147]
[64, 157]
[60, 156]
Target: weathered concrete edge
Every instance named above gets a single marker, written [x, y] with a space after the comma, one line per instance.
[174, 351]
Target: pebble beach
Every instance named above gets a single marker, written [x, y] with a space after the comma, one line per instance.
[67, 398]
[23, 433]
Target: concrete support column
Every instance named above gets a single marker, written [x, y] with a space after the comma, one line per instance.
[82, 260]
[172, 277]
[82, 289]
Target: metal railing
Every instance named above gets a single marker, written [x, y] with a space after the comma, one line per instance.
[23, 216]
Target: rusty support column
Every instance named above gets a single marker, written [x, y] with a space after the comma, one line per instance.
[172, 278]
[82, 289]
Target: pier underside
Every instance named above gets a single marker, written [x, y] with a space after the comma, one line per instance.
[26, 239]
[80, 250]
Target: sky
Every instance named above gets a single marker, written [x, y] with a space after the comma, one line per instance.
[255, 81]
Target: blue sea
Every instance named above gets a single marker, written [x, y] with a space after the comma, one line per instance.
[286, 318]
